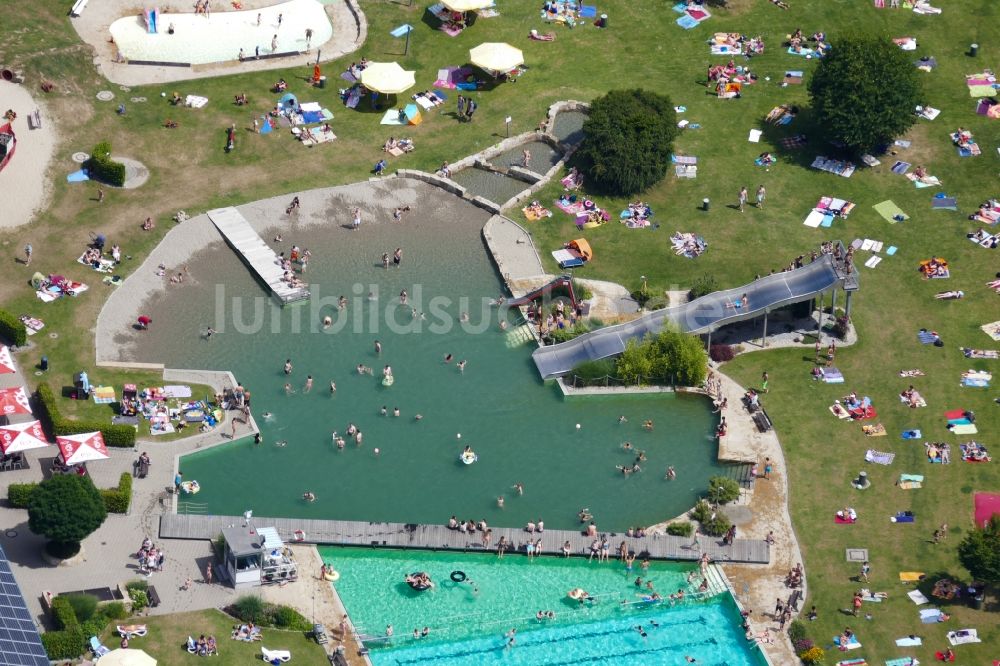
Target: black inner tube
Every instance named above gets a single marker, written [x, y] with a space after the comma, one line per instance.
[458, 576]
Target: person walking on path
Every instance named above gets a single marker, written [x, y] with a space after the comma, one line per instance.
[768, 468]
[27, 254]
[178, 479]
[309, 37]
[208, 573]
[100, 195]
[865, 570]
[761, 194]
[743, 197]
[461, 108]
[695, 543]
[356, 221]
[279, 20]
[470, 108]
[763, 382]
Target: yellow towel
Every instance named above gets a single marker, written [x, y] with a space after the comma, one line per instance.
[910, 485]
[910, 576]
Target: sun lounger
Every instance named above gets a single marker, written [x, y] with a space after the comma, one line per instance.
[130, 630]
[97, 648]
[273, 656]
[910, 641]
[964, 636]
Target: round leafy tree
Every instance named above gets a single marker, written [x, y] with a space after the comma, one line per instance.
[864, 92]
[66, 509]
[627, 141]
[979, 552]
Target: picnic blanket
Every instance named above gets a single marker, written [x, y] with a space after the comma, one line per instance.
[874, 430]
[912, 641]
[825, 210]
[31, 324]
[832, 376]
[911, 576]
[903, 517]
[981, 84]
[963, 636]
[852, 644]
[195, 101]
[912, 434]
[838, 167]
[793, 142]
[927, 337]
[992, 330]
[890, 212]
[910, 481]
[931, 615]
[534, 214]
[693, 16]
[903, 661]
[879, 457]
[928, 112]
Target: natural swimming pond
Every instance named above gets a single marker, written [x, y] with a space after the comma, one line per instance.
[491, 185]
[522, 430]
[568, 126]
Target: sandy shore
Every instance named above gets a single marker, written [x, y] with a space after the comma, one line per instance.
[25, 174]
[94, 27]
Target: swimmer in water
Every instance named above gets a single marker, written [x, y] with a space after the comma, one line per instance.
[309, 384]
[378, 347]
[627, 446]
[288, 389]
[671, 474]
[503, 324]
[418, 417]
[384, 410]
[309, 496]
[500, 502]
[333, 387]
[281, 443]
[371, 296]
[519, 487]
[395, 411]
[402, 297]
[267, 416]
[463, 316]
[358, 437]
[327, 321]
[622, 419]
[288, 366]
[447, 358]
[461, 365]
[341, 443]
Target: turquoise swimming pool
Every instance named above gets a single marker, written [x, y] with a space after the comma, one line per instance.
[468, 622]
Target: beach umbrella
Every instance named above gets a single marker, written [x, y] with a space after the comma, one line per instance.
[387, 77]
[127, 657]
[496, 56]
[6, 362]
[82, 448]
[14, 401]
[21, 437]
[466, 5]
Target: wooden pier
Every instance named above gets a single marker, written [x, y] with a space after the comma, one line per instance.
[255, 253]
[439, 537]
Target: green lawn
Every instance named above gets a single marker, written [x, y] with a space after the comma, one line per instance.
[168, 634]
[643, 47]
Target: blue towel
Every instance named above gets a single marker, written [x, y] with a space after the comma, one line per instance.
[588, 11]
[312, 117]
[77, 176]
[440, 94]
[401, 30]
[265, 127]
[975, 383]
[686, 22]
[827, 220]
[926, 337]
[911, 434]
[892, 250]
[786, 120]
[905, 518]
[962, 421]
[466, 86]
[680, 7]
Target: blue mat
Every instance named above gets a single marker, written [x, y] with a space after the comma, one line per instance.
[911, 434]
[265, 127]
[401, 30]
[466, 86]
[975, 383]
[926, 337]
[962, 421]
[680, 7]
[312, 117]
[77, 177]
[892, 250]
[686, 22]
[588, 11]
[904, 517]
[827, 220]
[440, 94]
[944, 203]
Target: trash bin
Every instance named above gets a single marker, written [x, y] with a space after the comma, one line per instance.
[977, 601]
[43, 365]
[604, 21]
[705, 204]
[973, 50]
[322, 82]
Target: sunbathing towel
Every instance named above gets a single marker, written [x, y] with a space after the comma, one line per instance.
[840, 412]
[900, 167]
[903, 661]
[840, 520]
[992, 329]
[903, 517]
[931, 615]
[536, 214]
[944, 203]
[964, 429]
[911, 434]
[911, 641]
[852, 662]
[876, 430]
[852, 644]
[928, 112]
[878, 457]
[755, 135]
[873, 262]
[974, 382]
[793, 142]
[814, 219]
[963, 636]
[890, 212]
[927, 337]
[911, 576]
[910, 485]
[803, 52]
[832, 376]
[687, 22]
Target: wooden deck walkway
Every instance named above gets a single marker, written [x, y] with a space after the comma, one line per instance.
[255, 253]
[439, 537]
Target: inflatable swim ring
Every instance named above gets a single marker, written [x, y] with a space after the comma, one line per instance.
[388, 380]
[458, 576]
[577, 593]
[332, 576]
[468, 457]
[190, 487]
[413, 580]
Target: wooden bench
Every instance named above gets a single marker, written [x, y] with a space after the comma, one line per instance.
[78, 7]
[34, 120]
[154, 597]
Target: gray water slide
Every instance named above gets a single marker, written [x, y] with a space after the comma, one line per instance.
[699, 316]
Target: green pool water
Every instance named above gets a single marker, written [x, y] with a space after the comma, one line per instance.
[467, 621]
[524, 431]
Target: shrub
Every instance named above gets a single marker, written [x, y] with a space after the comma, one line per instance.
[813, 655]
[94, 626]
[137, 584]
[19, 494]
[684, 529]
[12, 329]
[841, 327]
[219, 546]
[139, 599]
[802, 645]
[564, 334]
[68, 644]
[797, 632]
[702, 286]
[863, 92]
[84, 605]
[627, 141]
[721, 353]
[101, 167]
[702, 511]
[250, 608]
[591, 370]
[66, 509]
[114, 610]
[63, 613]
[285, 617]
[717, 526]
[669, 354]
[581, 291]
[117, 500]
[119, 436]
[723, 490]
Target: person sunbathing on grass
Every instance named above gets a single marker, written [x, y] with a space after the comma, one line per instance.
[547, 37]
[950, 295]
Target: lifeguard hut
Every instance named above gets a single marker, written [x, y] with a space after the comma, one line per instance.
[257, 556]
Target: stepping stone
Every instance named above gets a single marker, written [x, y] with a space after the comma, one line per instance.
[857, 554]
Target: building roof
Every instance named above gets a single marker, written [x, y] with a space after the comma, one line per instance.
[243, 540]
[20, 644]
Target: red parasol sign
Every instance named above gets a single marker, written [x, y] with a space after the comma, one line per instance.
[21, 437]
[14, 401]
[82, 448]
[6, 362]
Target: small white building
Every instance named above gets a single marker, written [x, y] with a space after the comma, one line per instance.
[257, 556]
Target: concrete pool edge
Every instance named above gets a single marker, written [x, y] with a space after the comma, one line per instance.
[350, 30]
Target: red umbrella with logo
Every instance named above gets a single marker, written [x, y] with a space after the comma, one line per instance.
[14, 401]
[6, 362]
[21, 437]
[82, 448]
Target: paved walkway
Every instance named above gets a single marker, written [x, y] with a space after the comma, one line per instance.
[514, 253]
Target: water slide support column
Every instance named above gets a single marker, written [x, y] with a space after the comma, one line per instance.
[847, 305]
[819, 318]
[763, 340]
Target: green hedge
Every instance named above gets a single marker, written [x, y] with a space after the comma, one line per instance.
[117, 500]
[102, 168]
[68, 644]
[684, 529]
[63, 614]
[12, 329]
[120, 436]
[19, 494]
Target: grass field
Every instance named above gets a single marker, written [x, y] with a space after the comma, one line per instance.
[168, 636]
[643, 47]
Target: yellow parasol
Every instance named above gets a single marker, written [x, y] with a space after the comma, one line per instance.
[496, 56]
[387, 77]
[466, 5]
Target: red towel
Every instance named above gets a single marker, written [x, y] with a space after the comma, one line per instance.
[840, 520]
[955, 414]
